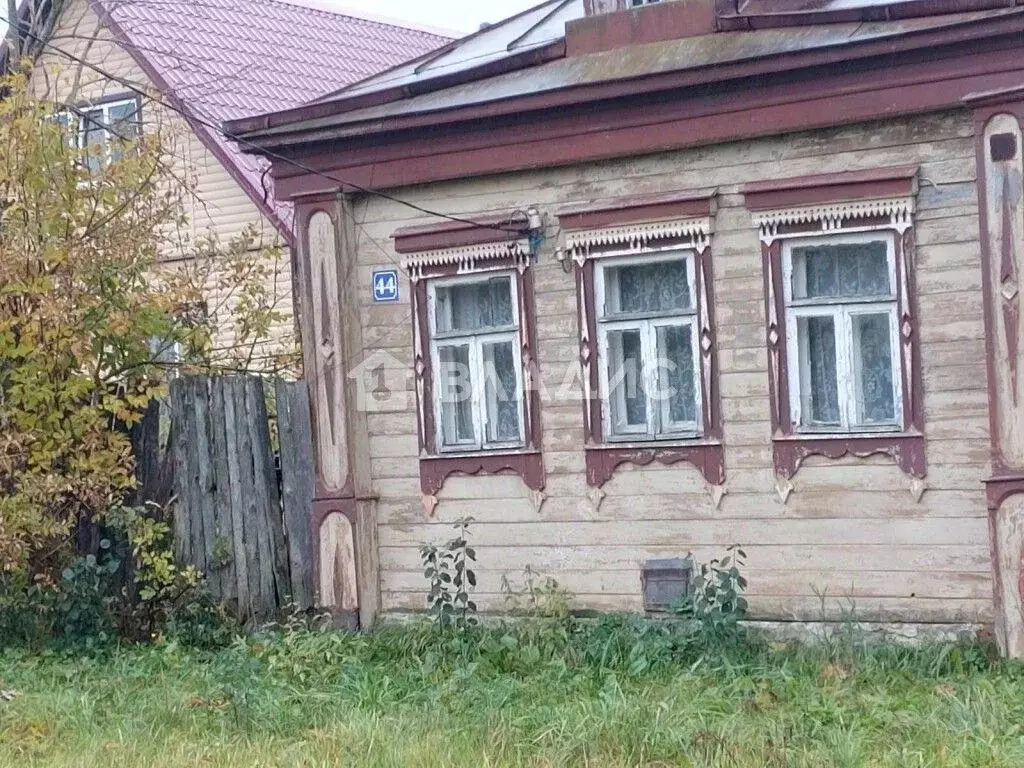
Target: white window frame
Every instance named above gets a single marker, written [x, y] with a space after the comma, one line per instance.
[648, 324]
[843, 312]
[88, 112]
[476, 342]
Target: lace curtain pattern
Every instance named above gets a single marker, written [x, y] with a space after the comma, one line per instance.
[625, 369]
[675, 354]
[844, 334]
[651, 367]
[502, 393]
[841, 271]
[652, 288]
[820, 361]
[476, 306]
[874, 359]
[479, 352]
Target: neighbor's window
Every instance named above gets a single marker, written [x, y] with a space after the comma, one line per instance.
[842, 320]
[104, 130]
[650, 383]
[475, 351]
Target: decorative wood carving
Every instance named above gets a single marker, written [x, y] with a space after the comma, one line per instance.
[907, 451]
[709, 458]
[1004, 238]
[337, 563]
[325, 365]
[812, 210]
[335, 517]
[616, 228]
[778, 384]
[435, 470]
[489, 249]
[999, 120]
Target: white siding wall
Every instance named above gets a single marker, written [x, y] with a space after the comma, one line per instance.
[220, 206]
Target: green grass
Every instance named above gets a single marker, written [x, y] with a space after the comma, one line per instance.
[616, 694]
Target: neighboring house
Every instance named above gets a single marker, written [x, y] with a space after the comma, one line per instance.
[207, 62]
[810, 213]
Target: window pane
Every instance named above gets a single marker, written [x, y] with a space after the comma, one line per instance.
[502, 393]
[475, 306]
[455, 390]
[123, 120]
[649, 287]
[94, 137]
[818, 370]
[124, 127]
[841, 271]
[873, 359]
[625, 383]
[677, 385]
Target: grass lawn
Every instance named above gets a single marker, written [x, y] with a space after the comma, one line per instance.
[619, 694]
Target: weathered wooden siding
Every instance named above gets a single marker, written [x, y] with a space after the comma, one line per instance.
[851, 527]
[220, 206]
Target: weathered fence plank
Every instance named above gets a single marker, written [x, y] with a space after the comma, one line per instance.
[298, 485]
[206, 495]
[225, 520]
[181, 434]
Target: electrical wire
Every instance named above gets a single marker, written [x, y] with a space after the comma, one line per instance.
[193, 116]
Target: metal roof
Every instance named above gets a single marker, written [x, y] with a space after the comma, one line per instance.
[227, 59]
[621, 64]
[529, 30]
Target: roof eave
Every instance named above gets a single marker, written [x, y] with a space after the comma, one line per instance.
[319, 110]
[966, 31]
[894, 11]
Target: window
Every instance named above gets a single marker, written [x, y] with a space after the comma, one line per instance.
[842, 321]
[844, 356]
[478, 407]
[475, 349]
[104, 130]
[648, 348]
[647, 334]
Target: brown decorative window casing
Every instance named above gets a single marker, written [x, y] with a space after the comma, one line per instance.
[815, 209]
[642, 227]
[493, 245]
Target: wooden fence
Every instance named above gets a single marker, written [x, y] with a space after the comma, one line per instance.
[241, 516]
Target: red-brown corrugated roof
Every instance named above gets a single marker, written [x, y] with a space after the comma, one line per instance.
[229, 59]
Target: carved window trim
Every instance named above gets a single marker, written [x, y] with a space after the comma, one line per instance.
[645, 226]
[454, 250]
[878, 201]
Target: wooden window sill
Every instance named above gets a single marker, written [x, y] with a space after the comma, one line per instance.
[435, 470]
[906, 449]
[706, 455]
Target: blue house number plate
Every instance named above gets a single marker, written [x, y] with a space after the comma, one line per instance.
[385, 286]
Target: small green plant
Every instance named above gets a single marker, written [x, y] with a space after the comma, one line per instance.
[538, 596]
[446, 568]
[86, 596]
[715, 598]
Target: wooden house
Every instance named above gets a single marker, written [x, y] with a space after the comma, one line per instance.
[751, 272]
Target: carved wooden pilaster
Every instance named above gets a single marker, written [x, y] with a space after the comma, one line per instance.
[334, 519]
[1000, 152]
